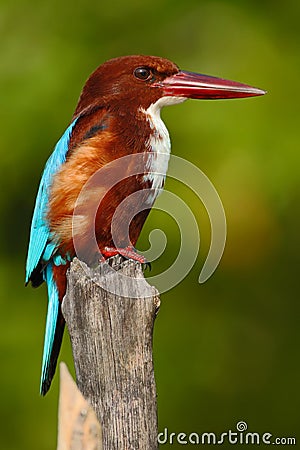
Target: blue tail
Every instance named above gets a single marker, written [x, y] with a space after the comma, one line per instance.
[54, 331]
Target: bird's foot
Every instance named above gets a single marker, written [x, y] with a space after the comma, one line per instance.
[127, 252]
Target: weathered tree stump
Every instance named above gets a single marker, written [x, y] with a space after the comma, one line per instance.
[110, 312]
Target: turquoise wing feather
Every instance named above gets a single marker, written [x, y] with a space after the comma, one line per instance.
[40, 245]
[42, 249]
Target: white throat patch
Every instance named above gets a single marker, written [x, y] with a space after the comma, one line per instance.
[158, 146]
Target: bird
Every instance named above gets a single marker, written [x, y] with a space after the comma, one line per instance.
[117, 115]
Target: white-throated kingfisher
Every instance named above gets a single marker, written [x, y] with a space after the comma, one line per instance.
[118, 114]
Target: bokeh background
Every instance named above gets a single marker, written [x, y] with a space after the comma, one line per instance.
[226, 350]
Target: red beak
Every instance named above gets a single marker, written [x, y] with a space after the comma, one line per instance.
[195, 85]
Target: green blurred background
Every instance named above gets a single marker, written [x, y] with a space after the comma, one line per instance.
[224, 351]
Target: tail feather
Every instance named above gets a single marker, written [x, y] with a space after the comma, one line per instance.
[55, 325]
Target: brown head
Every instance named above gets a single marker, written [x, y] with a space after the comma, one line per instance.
[135, 81]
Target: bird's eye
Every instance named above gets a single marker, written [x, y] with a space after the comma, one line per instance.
[142, 73]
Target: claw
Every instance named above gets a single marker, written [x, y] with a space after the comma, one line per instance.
[147, 265]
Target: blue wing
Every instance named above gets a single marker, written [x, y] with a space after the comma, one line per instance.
[42, 248]
[40, 245]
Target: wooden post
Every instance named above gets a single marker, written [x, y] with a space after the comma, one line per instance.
[110, 312]
[78, 427]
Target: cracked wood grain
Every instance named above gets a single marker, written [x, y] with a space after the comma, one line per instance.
[110, 312]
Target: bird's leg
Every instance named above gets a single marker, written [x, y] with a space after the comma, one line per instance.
[127, 252]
